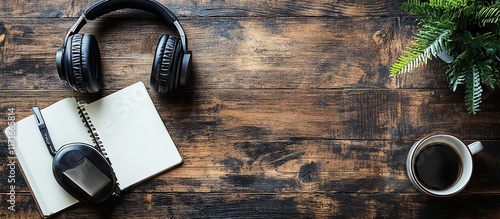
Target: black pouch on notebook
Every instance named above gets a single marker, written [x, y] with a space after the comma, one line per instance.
[80, 168]
[84, 173]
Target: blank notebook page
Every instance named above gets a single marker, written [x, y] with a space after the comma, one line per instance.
[133, 134]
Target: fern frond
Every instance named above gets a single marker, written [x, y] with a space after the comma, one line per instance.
[474, 90]
[437, 4]
[489, 15]
[448, 4]
[428, 43]
[456, 74]
[496, 72]
[486, 73]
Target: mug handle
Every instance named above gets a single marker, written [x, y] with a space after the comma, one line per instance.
[475, 147]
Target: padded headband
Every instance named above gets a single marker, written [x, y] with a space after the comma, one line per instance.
[106, 6]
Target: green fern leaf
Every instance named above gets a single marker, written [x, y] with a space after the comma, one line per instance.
[474, 90]
[456, 74]
[489, 15]
[448, 4]
[428, 43]
[486, 73]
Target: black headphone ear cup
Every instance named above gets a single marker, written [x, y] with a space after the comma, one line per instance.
[85, 58]
[178, 54]
[163, 70]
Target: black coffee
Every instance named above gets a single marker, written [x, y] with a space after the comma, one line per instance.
[438, 167]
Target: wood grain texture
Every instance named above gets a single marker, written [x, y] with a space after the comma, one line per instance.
[215, 8]
[290, 112]
[228, 52]
[306, 205]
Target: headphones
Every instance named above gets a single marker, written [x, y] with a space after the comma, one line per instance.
[79, 61]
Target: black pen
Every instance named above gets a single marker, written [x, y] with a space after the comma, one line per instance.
[43, 129]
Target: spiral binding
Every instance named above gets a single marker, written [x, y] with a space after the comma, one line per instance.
[91, 129]
[95, 137]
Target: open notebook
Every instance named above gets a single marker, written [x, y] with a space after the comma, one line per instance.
[129, 126]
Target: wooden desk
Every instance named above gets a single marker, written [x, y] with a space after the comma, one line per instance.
[290, 112]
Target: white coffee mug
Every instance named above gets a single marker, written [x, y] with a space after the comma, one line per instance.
[464, 154]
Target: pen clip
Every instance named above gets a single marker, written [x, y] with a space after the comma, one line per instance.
[43, 130]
